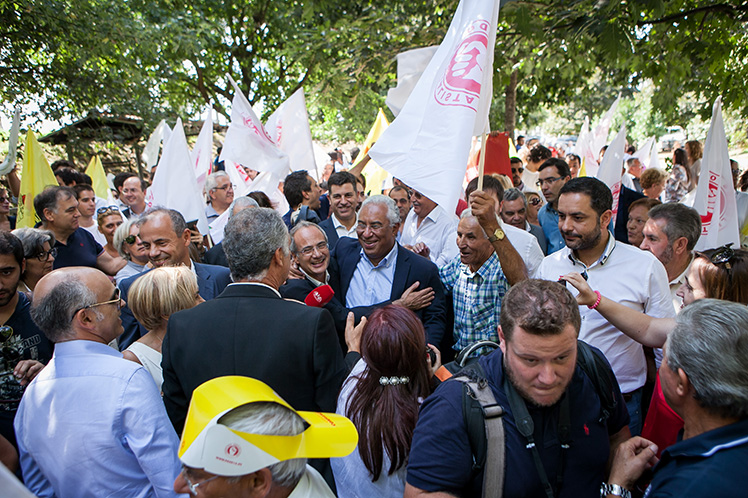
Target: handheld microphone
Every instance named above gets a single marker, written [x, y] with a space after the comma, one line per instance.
[319, 296]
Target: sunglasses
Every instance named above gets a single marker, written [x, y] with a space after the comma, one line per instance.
[107, 209]
[518, 170]
[723, 255]
[130, 239]
[534, 201]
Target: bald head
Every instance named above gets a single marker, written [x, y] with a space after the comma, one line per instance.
[62, 294]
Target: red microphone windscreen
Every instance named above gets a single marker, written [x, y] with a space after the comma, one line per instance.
[319, 296]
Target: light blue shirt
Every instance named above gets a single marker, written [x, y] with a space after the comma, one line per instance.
[372, 284]
[92, 424]
[548, 219]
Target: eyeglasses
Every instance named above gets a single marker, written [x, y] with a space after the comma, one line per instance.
[193, 486]
[105, 209]
[518, 170]
[130, 239]
[547, 181]
[308, 250]
[225, 187]
[3, 200]
[115, 300]
[723, 255]
[44, 255]
[534, 201]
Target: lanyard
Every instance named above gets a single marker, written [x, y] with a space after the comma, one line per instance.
[526, 427]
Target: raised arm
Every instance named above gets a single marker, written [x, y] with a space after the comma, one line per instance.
[642, 328]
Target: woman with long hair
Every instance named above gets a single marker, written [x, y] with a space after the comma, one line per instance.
[382, 396]
[679, 183]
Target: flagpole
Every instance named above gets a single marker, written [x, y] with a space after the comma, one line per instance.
[482, 161]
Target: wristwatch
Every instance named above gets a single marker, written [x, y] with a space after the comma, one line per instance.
[497, 235]
[613, 489]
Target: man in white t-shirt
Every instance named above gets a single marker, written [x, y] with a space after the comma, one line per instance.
[87, 210]
[621, 272]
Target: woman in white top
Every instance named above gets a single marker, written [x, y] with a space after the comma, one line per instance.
[382, 396]
[153, 298]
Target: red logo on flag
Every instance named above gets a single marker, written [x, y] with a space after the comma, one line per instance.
[462, 81]
[706, 219]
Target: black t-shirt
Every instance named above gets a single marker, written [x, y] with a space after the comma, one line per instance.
[81, 250]
[24, 342]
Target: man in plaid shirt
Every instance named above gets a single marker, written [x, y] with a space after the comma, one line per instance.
[477, 284]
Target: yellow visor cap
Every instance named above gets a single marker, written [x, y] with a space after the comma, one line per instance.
[226, 452]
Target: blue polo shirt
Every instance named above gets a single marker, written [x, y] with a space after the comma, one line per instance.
[81, 249]
[441, 458]
[548, 219]
[711, 464]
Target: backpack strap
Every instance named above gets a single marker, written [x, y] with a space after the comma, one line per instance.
[483, 418]
[598, 372]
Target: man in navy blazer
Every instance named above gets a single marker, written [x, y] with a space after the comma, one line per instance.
[343, 201]
[166, 238]
[376, 268]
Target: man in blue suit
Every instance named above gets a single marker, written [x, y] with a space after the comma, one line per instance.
[166, 238]
[344, 201]
[376, 268]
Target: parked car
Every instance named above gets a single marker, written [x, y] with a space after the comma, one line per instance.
[674, 137]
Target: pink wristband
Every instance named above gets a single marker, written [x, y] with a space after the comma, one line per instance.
[599, 297]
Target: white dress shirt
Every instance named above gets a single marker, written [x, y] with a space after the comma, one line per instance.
[438, 231]
[629, 276]
[526, 245]
[342, 231]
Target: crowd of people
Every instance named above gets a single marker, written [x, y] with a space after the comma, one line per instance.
[530, 343]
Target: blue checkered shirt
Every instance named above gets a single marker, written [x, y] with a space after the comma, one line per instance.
[476, 299]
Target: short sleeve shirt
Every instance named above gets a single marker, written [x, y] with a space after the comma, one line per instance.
[441, 458]
[81, 250]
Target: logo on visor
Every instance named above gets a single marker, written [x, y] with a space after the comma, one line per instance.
[462, 81]
[233, 450]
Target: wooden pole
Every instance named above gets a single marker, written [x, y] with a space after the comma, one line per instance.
[482, 161]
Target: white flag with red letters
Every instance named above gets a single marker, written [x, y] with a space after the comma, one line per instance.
[611, 168]
[715, 193]
[288, 127]
[428, 144]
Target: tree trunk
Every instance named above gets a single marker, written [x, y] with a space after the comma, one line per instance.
[510, 106]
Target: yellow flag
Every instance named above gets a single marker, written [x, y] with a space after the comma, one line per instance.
[374, 174]
[36, 175]
[96, 171]
[582, 169]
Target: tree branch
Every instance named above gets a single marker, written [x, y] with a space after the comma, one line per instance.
[725, 8]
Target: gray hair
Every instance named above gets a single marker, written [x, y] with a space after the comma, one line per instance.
[120, 235]
[211, 181]
[710, 344]
[177, 220]
[393, 214]
[33, 240]
[303, 224]
[53, 313]
[512, 194]
[250, 239]
[271, 419]
[680, 221]
[242, 202]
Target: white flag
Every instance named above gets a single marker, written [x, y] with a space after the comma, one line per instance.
[217, 226]
[612, 167]
[583, 148]
[202, 154]
[715, 194]
[428, 144]
[174, 185]
[10, 160]
[410, 67]
[268, 183]
[600, 133]
[239, 178]
[247, 142]
[288, 127]
[153, 146]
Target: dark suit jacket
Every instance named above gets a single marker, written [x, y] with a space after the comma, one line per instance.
[211, 280]
[625, 198]
[329, 229]
[409, 268]
[216, 256]
[248, 330]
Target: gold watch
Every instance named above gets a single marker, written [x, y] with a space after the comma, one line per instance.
[497, 235]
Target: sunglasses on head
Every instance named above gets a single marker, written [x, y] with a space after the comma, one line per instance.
[723, 255]
[106, 209]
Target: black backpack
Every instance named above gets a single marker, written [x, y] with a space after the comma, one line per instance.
[483, 415]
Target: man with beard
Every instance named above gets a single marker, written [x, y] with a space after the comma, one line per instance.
[630, 276]
[25, 349]
[535, 369]
[671, 233]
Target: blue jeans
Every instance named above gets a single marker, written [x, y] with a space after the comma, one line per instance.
[634, 407]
